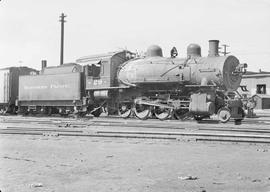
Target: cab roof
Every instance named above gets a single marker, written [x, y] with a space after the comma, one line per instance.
[97, 58]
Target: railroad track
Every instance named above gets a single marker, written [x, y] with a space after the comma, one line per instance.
[134, 123]
[168, 130]
[155, 126]
[162, 135]
[116, 119]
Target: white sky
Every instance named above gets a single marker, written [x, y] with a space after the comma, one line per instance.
[30, 30]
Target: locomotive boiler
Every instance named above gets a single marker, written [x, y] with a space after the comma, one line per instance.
[200, 86]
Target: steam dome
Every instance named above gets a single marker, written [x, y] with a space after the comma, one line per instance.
[194, 50]
[154, 51]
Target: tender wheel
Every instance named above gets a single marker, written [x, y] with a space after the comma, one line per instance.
[22, 111]
[11, 109]
[162, 113]
[125, 110]
[50, 111]
[142, 111]
[224, 115]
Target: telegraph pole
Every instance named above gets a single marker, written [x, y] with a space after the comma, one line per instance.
[62, 20]
[225, 49]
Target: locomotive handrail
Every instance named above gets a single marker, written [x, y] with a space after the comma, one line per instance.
[126, 83]
[200, 86]
[185, 62]
[106, 88]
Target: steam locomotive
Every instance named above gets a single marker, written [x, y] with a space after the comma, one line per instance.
[165, 87]
[150, 86]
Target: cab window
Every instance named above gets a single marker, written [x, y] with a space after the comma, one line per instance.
[94, 70]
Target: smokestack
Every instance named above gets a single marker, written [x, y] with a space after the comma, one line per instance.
[213, 48]
[43, 64]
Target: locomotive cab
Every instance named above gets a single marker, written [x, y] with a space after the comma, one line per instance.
[101, 85]
[100, 70]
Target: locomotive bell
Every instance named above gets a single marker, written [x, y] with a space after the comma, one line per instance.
[193, 50]
[154, 51]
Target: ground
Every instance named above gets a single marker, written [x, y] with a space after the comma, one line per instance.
[48, 163]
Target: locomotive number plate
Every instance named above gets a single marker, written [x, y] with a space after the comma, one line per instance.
[97, 82]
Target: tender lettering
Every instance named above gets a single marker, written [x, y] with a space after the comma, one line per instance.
[58, 86]
[36, 87]
[51, 86]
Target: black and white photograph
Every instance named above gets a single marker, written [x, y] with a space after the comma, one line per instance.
[135, 96]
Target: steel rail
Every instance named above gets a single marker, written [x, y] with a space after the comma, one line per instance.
[152, 135]
[149, 126]
[86, 135]
[71, 129]
[186, 134]
[195, 126]
[41, 129]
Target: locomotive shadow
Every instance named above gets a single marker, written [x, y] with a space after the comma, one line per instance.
[208, 121]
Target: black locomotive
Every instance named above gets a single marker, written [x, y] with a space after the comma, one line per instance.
[153, 85]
